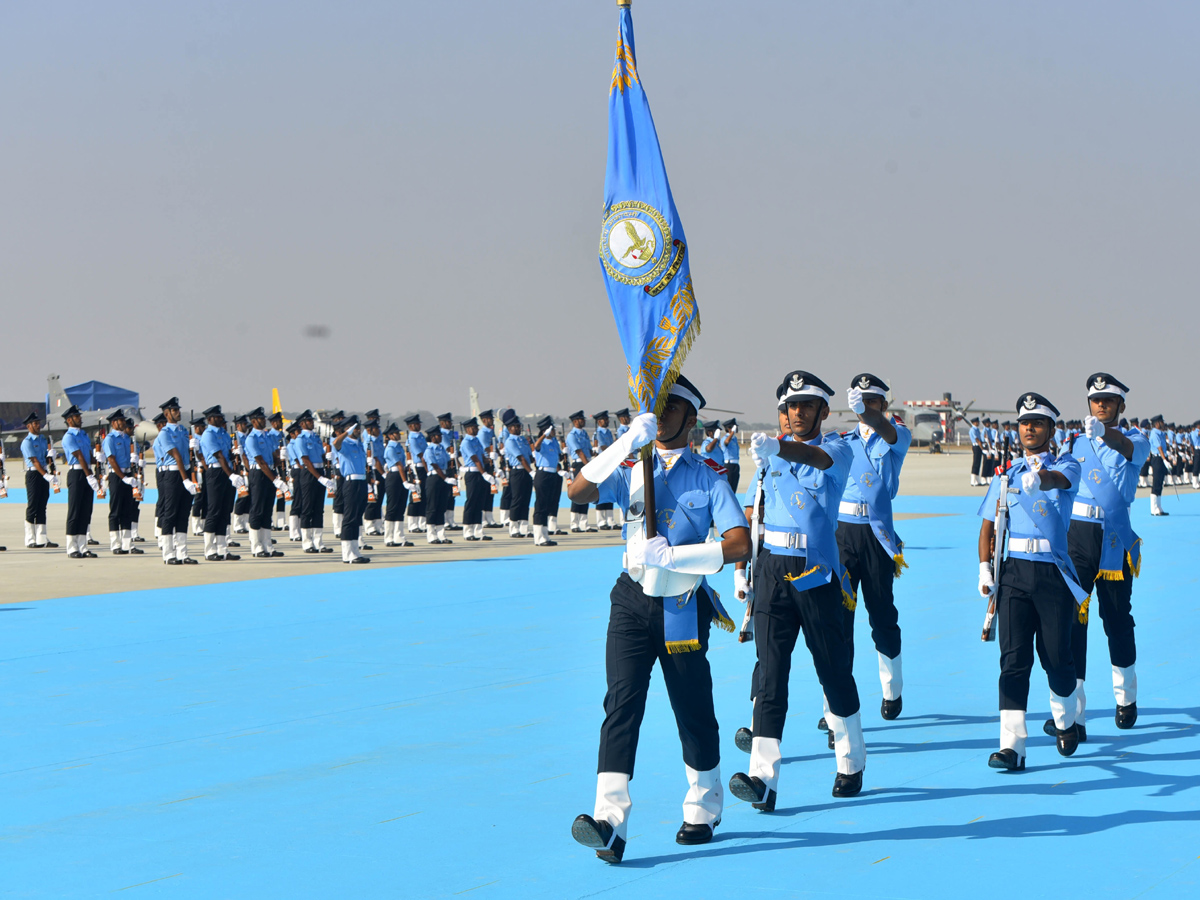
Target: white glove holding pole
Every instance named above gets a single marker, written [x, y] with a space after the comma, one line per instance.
[450, 480]
[132, 482]
[237, 480]
[854, 398]
[1094, 427]
[93, 483]
[49, 478]
[279, 485]
[986, 583]
[407, 486]
[762, 448]
[1031, 483]
[691, 559]
[490, 479]
[642, 431]
[190, 487]
[741, 586]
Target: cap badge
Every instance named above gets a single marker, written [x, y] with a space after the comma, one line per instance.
[1099, 384]
[1030, 402]
[864, 383]
[797, 383]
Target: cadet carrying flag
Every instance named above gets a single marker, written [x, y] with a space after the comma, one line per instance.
[643, 251]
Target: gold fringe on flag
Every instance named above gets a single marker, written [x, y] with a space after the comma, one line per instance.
[1110, 574]
[803, 574]
[723, 622]
[1137, 570]
[1083, 609]
[898, 559]
[683, 646]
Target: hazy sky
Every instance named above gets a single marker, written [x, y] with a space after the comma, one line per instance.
[966, 197]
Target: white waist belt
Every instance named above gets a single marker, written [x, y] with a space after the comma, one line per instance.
[470, 469]
[1090, 512]
[1028, 545]
[355, 477]
[860, 510]
[547, 469]
[395, 469]
[77, 466]
[786, 540]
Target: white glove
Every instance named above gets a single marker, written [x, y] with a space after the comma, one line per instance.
[97, 455]
[237, 480]
[986, 584]
[719, 433]
[190, 487]
[741, 586]
[549, 431]
[490, 479]
[93, 483]
[192, 443]
[854, 397]
[762, 448]
[657, 552]
[237, 450]
[733, 429]
[325, 482]
[408, 487]
[451, 480]
[1031, 483]
[1094, 427]
[350, 431]
[641, 432]
[132, 482]
[49, 478]
[279, 485]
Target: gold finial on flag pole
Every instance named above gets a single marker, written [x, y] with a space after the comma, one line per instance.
[624, 2]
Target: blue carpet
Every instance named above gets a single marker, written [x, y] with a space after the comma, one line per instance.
[430, 731]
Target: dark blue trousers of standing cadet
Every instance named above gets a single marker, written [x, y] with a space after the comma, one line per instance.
[354, 501]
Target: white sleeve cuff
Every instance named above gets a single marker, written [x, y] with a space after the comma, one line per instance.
[602, 466]
[698, 559]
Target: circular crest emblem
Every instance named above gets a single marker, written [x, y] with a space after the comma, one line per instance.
[1030, 401]
[864, 383]
[798, 500]
[633, 243]
[1099, 384]
[797, 383]
[865, 479]
[1040, 509]
[1094, 476]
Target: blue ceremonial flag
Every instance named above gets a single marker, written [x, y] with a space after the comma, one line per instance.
[643, 251]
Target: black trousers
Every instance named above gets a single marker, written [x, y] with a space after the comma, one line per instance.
[397, 498]
[354, 502]
[374, 509]
[219, 496]
[577, 507]
[262, 499]
[989, 467]
[120, 504]
[312, 492]
[1115, 599]
[1158, 472]
[297, 491]
[548, 488]
[416, 508]
[200, 501]
[37, 494]
[635, 643]
[780, 614]
[176, 503]
[488, 498]
[80, 499]
[755, 674]
[477, 489]
[520, 483]
[872, 567]
[1034, 610]
[976, 458]
[1196, 463]
[733, 471]
[506, 496]
[339, 500]
[437, 499]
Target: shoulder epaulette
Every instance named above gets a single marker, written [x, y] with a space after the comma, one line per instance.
[629, 463]
[719, 469]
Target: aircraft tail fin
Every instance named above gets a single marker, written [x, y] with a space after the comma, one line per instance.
[58, 397]
[275, 407]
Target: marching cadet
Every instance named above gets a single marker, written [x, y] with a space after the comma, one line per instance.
[120, 487]
[200, 475]
[547, 484]
[487, 438]
[241, 505]
[160, 422]
[579, 449]
[416, 453]
[1158, 465]
[601, 441]
[352, 463]
[733, 458]
[868, 545]
[1037, 588]
[376, 475]
[175, 487]
[313, 486]
[438, 484]
[275, 436]
[38, 480]
[1102, 544]
[291, 453]
[220, 485]
[446, 426]
[264, 482]
[975, 436]
[710, 447]
[81, 484]
[801, 586]
[477, 481]
[519, 456]
[662, 610]
[397, 488]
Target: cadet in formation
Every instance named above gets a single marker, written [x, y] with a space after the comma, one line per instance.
[39, 479]
[547, 484]
[478, 481]
[519, 457]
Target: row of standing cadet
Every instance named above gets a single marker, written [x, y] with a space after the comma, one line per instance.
[822, 511]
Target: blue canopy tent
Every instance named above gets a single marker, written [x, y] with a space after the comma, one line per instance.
[97, 395]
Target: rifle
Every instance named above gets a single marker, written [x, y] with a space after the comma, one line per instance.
[747, 630]
[98, 468]
[1000, 542]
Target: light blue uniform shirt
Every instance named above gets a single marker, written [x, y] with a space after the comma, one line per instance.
[35, 447]
[1158, 442]
[716, 454]
[309, 444]
[621, 429]
[215, 440]
[577, 439]
[733, 452]
[1195, 437]
[826, 485]
[887, 459]
[352, 457]
[702, 499]
[435, 454]
[487, 437]
[1060, 437]
[275, 437]
[416, 448]
[76, 439]
[1058, 503]
[973, 434]
[394, 455]
[1123, 472]
[546, 455]
[241, 439]
[604, 437]
[516, 447]
[258, 446]
[469, 448]
[116, 445]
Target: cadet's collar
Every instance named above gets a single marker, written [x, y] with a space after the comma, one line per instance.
[668, 458]
[865, 431]
[1037, 461]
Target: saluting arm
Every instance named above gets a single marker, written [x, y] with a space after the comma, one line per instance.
[1113, 438]
[881, 422]
[805, 454]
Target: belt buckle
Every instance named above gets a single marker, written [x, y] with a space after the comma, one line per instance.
[1031, 545]
[860, 510]
[1093, 512]
[792, 540]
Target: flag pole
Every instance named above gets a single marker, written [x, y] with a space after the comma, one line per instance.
[651, 513]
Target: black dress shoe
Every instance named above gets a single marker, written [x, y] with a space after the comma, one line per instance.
[189, 561]
[546, 544]
[1049, 728]
[326, 550]
[262, 554]
[358, 561]
[405, 544]
[232, 544]
[486, 537]
[172, 561]
[365, 547]
[1068, 740]
[447, 541]
[139, 540]
[695, 834]
[230, 557]
[120, 552]
[276, 553]
[599, 836]
[744, 739]
[74, 555]
[1126, 715]
[822, 725]
[89, 555]
[137, 550]
[212, 557]
[312, 550]
[1007, 759]
[92, 543]
[847, 785]
[751, 789]
[890, 709]
[471, 539]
